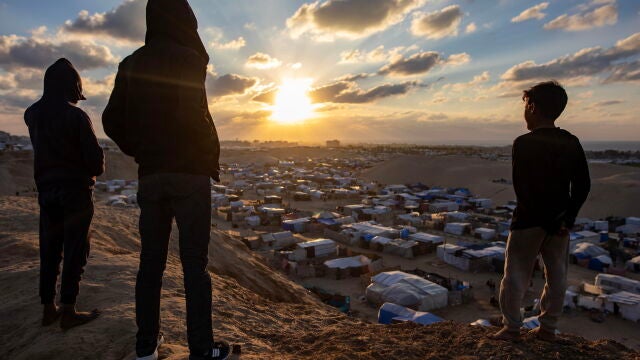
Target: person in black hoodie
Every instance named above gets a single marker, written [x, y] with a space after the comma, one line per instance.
[158, 114]
[67, 159]
[551, 182]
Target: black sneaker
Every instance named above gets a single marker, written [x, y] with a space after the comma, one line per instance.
[219, 351]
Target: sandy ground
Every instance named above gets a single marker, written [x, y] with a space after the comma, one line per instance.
[271, 317]
[615, 189]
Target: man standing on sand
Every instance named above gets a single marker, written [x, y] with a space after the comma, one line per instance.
[551, 181]
[67, 159]
[158, 113]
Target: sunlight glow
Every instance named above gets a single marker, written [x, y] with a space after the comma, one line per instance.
[292, 104]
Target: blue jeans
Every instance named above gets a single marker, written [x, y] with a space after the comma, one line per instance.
[187, 198]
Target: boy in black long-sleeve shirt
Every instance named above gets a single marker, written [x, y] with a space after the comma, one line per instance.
[551, 181]
[67, 159]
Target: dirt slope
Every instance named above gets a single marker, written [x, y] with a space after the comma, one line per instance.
[270, 316]
[615, 189]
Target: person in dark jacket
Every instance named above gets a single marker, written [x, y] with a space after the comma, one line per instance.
[551, 181]
[67, 159]
[158, 114]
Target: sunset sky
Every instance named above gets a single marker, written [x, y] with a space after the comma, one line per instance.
[415, 71]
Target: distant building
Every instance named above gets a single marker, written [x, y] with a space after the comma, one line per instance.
[333, 143]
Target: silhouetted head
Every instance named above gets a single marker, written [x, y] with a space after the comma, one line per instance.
[174, 20]
[62, 82]
[544, 103]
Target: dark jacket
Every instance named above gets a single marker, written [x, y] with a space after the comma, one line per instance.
[550, 178]
[66, 151]
[158, 110]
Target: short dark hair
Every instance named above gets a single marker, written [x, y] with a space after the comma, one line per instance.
[548, 97]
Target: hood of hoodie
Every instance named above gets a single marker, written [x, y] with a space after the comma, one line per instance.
[174, 20]
[62, 82]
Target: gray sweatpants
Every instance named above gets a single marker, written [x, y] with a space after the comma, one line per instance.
[523, 246]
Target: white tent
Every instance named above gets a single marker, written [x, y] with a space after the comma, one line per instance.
[314, 249]
[628, 304]
[633, 264]
[456, 228]
[407, 290]
[615, 283]
[426, 238]
[348, 262]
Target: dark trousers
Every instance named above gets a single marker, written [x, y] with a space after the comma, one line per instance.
[187, 198]
[65, 219]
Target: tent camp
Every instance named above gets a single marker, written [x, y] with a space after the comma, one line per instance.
[407, 290]
[390, 313]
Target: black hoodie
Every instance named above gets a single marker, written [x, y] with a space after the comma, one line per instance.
[158, 109]
[66, 151]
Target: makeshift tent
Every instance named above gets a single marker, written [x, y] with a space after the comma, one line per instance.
[279, 240]
[426, 238]
[599, 263]
[407, 290]
[456, 228]
[390, 313]
[485, 234]
[348, 262]
[634, 264]
[585, 250]
[404, 248]
[615, 283]
[296, 225]
[314, 249]
[628, 305]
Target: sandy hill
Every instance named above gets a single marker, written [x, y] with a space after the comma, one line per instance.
[270, 316]
[615, 189]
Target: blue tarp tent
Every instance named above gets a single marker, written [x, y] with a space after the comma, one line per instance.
[390, 312]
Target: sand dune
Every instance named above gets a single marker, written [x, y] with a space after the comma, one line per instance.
[615, 189]
[270, 316]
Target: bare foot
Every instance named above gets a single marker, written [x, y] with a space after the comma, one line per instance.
[506, 334]
[72, 318]
[50, 314]
[544, 335]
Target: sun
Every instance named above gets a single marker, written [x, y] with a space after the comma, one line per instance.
[292, 104]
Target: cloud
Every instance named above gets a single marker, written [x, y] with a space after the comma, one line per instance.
[607, 103]
[16, 52]
[437, 24]
[262, 61]
[231, 45]
[625, 72]
[348, 92]
[586, 19]
[584, 63]
[458, 59]
[326, 20]
[475, 82]
[127, 22]
[419, 63]
[229, 84]
[534, 12]
[379, 54]
[354, 77]
[471, 28]
[22, 78]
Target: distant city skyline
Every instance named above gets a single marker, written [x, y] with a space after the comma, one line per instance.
[360, 71]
